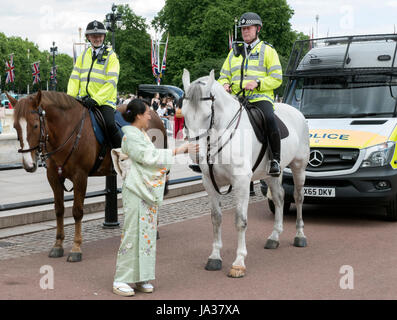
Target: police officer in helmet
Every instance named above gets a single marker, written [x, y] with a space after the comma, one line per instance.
[255, 67]
[95, 76]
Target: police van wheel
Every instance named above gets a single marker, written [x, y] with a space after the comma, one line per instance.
[287, 206]
[391, 210]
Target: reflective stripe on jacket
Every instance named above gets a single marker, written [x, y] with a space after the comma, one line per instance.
[262, 63]
[101, 76]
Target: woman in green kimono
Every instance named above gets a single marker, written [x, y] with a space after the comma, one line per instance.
[142, 193]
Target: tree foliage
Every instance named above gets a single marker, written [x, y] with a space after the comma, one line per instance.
[25, 53]
[199, 32]
[198, 40]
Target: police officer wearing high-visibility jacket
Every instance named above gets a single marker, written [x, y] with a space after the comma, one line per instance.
[95, 76]
[255, 67]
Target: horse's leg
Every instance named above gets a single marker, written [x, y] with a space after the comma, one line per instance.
[298, 173]
[277, 192]
[242, 192]
[79, 187]
[214, 260]
[57, 189]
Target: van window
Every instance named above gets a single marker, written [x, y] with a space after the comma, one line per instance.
[327, 97]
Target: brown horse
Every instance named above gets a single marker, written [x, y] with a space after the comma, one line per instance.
[58, 128]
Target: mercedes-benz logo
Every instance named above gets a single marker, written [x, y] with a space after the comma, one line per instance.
[316, 158]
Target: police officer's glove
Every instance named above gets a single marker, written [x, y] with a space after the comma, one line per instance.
[89, 103]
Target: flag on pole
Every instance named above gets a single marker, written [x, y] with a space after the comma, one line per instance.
[53, 73]
[74, 53]
[230, 41]
[10, 76]
[154, 59]
[164, 62]
[36, 72]
[311, 40]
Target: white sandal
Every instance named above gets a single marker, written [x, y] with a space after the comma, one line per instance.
[145, 287]
[123, 289]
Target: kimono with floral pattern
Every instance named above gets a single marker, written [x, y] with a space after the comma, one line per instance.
[142, 193]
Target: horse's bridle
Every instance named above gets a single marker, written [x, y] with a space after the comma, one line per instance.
[207, 134]
[42, 145]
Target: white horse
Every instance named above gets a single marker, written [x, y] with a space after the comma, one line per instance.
[206, 105]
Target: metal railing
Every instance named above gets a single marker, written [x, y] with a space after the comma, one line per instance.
[92, 194]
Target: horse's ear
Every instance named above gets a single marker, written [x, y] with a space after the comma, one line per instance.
[186, 80]
[37, 98]
[12, 100]
[211, 81]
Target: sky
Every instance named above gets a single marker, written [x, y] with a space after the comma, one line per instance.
[45, 21]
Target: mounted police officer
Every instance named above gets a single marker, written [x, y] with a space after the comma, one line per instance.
[255, 67]
[95, 76]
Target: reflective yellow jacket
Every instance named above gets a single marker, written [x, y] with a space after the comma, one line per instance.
[262, 63]
[101, 77]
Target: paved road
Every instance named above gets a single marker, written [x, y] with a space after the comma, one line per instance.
[336, 237]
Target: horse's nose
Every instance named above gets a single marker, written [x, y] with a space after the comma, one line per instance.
[31, 168]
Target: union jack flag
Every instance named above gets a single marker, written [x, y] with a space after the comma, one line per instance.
[36, 72]
[230, 41]
[164, 62]
[155, 60]
[10, 76]
[53, 73]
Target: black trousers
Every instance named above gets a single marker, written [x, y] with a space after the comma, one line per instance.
[273, 133]
[113, 132]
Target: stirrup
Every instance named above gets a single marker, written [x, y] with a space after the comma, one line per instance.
[273, 170]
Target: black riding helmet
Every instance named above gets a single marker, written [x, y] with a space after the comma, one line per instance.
[95, 27]
[250, 19]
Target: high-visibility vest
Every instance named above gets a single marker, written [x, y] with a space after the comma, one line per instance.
[262, 63]
[98, 79]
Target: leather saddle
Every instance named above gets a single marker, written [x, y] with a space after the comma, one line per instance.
[258, 123]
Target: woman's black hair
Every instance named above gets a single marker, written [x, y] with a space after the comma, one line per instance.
[135, 107]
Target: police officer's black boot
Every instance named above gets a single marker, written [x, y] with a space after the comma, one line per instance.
[274, 169]
[274, 142]
[195, 167]
[115, 139]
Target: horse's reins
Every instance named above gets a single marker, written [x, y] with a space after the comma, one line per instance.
[42, 145]
[207, 134]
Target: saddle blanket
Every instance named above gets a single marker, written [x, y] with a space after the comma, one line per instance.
[118, 118]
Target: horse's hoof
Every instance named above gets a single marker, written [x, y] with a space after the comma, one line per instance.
[300, 242]
[271, 244]
[56, 252]
[74, 257]
[236, 272]
[213, 265]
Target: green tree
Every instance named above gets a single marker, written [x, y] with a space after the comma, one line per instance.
[133, 49]
[199, 32]
[25, 54]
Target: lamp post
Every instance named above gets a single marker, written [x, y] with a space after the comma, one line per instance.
[54, 51]
[112, 20]
[317, 18]
[28, 63]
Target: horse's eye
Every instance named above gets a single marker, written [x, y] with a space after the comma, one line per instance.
[36, 126]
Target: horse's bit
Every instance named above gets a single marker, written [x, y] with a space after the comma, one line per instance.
[207, 134]
[42, 145]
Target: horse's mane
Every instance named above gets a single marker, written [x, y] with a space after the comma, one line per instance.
[55, 99]
[60, 100]
[195, 91]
